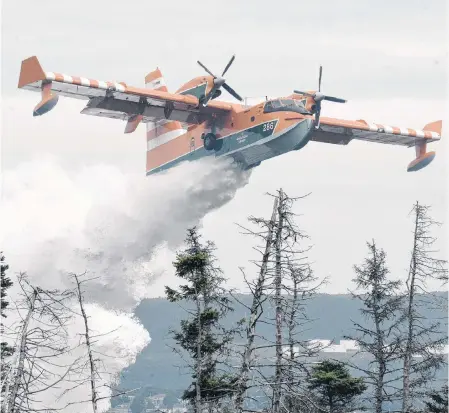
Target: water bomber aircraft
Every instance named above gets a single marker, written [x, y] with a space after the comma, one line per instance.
[192, 123]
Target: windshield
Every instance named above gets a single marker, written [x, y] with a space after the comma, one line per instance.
[277, 105]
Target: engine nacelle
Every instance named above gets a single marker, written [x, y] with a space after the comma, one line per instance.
[198, 87]
[310, 104]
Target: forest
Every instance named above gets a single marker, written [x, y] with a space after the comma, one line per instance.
[251, 352]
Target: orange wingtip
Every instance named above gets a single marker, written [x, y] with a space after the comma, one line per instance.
[434, 127]
[30, 72]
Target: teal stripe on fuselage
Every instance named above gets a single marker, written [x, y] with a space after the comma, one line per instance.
[237, 142]
[232, 142]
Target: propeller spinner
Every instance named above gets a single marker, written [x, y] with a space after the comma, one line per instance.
[318, 97]
[219, 82]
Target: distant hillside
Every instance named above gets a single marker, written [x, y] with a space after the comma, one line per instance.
[156, 365]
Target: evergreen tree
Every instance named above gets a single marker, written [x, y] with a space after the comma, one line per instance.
[5, 283]
[380, 336]
[6, 350]
[438, 402]
[335, 387]
[202, 335]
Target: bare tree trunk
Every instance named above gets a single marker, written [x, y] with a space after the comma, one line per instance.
[23, 339]
[424, 340]
[379, 342]
[254, 314]
[198, 406]
[94, 394]
[278, 300]
[407, 354]
[380, 355]
[291, 340]
[408, 346]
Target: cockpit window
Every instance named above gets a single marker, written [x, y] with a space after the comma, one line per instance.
[288, 102]
[278, 105]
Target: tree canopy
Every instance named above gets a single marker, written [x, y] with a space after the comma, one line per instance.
[335, 387]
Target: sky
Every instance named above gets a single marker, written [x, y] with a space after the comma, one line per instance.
[388, 61]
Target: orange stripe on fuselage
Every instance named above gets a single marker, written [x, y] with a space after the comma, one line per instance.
[162, 129]
[168, 151]
[175, 148]
[236, 122]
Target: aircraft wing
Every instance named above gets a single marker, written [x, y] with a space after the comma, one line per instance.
[115, 100]
[338, 131]
[341, 132]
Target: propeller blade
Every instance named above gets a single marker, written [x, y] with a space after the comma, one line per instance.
[319, 79]
[232, 91]
[206, 69]
[302, 93]
[228, 65]
[333, 99]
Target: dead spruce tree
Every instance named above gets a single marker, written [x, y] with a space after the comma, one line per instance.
[91, 363]
[282, 279]
[293, 285]
[257, 290]
[41, 338]
[424, 339]
[202, 336]
[88, 369]
[303, 286]
[380, 336]
[277, 385]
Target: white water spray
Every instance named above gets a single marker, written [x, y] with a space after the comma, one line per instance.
[111, 225]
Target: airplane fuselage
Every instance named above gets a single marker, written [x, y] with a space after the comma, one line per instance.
[248, 135]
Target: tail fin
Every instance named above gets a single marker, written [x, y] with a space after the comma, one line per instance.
[162, 131]
[423, 158]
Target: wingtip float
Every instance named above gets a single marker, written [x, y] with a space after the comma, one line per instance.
[424, 158]
[190, 123]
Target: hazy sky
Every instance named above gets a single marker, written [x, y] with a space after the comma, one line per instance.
[389, 59]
